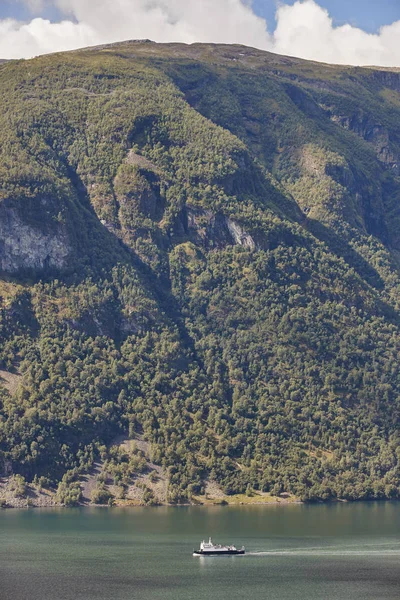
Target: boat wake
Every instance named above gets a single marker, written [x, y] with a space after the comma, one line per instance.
[365, 550]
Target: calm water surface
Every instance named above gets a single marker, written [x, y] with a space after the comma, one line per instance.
[339, 552]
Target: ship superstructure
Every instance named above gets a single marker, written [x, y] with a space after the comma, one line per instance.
[210, 549]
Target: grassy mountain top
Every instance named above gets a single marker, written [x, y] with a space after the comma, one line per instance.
[199, 248]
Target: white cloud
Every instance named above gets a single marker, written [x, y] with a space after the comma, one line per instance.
[303, 29]
[306, 30]
[103, 21]
[19, 40]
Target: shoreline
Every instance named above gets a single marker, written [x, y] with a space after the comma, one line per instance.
[22, 504]
[132, 504]
[34, 496]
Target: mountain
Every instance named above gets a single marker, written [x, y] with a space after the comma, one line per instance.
[199, 251]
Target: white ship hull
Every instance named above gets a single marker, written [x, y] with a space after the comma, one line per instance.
[210, 549]
[217, 552]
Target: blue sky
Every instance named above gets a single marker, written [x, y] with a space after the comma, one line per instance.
[366, 14]
[17, 9]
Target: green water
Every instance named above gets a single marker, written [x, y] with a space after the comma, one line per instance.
[337, 552]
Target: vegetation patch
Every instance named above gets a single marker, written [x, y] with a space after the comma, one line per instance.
[200, 278]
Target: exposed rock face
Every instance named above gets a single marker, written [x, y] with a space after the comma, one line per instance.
[371, 132]
[387, 78]
[23, 246]
[142, 162]
[216, 230]
[239, 235]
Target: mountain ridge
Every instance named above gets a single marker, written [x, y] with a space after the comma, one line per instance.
[144, 46]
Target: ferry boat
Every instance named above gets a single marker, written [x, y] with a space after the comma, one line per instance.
[210, 549]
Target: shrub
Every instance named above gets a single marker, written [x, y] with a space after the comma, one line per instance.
[101, 495]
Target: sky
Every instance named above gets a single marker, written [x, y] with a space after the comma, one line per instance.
[358, 32]
[369, 15]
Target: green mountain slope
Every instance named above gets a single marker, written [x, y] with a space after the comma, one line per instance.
[200, 244]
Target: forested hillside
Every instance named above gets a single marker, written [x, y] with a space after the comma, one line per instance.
[200, 245]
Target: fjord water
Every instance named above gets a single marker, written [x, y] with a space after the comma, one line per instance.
[335, 552]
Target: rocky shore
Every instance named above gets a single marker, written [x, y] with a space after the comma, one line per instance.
[35, 497]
